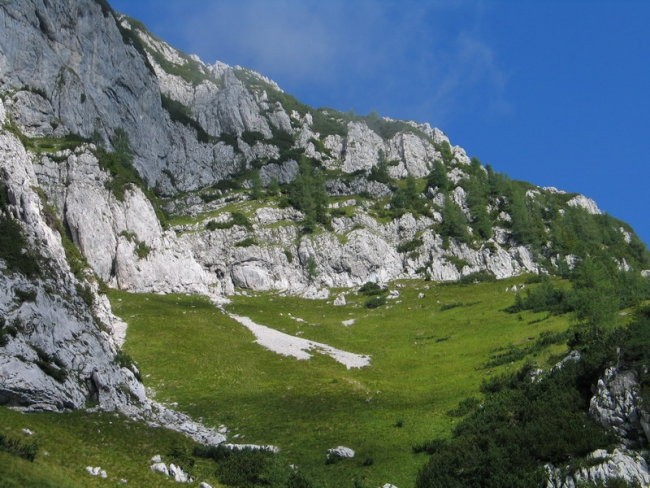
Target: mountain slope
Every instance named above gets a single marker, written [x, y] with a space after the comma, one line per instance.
[128, 164]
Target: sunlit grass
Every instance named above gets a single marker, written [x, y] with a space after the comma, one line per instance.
[426, 357]
[68, 442]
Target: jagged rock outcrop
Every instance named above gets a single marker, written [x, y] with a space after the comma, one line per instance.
[45, 363]
[359, 249]
[618, 406]
[121, 238]
[60, 341]
[585, 203]
[620, 464]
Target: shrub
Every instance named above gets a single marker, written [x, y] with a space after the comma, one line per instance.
[142, 250]
[438, 177]
[376, 301]
[236, 218]
[409, 246]
[312, 268]
[252, 137]
[123, 360]
[18, 448]
[244, 467]
[464, 407]
[298, 480]
[478, 277]
[307, 193]
[216, 453]
[86, 294]
[25, 295]
[181, 457]
[51, 366]
[249, 241]
[14, 248]
[407, 199]
[454, 222]
[370, 288]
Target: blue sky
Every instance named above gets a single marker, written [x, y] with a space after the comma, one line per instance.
[553, 92]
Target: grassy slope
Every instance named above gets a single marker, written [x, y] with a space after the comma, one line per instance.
[69, 442]
[424, 361]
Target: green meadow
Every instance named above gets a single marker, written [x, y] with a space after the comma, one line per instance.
[68, 442]
[428, 354]
[431, 347]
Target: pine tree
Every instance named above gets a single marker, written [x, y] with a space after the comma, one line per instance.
[477, 201]
[307, 193]
[438, 177]
[454, 222]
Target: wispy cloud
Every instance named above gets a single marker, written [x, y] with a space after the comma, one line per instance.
[427, 56]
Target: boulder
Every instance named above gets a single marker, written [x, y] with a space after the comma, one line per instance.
[160, 468]
[340, 452]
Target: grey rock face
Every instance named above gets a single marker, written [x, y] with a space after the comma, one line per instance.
[617, 405]
[621, 464]
[414, 153]
[59, 356]
[362, 148]
[357, 186]
[110, 231]
[43, 42]
[281, 173]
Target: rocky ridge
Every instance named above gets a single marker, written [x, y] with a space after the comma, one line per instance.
[193, 126]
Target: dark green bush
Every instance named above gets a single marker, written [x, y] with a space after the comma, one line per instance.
[51, 366]
[464, 407]
[25, 295]
[142, 250]
[370, 288]
[18, 448]
[244, 467]
[454, 222]
[298, 480]
[252, 137]
[15, 250]
[523, 424]
[478, 277]
[409, 246]
[181, 457]
[544, 297]
[123, 360]
[376, 301]
[249, 241]
[307, 193]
